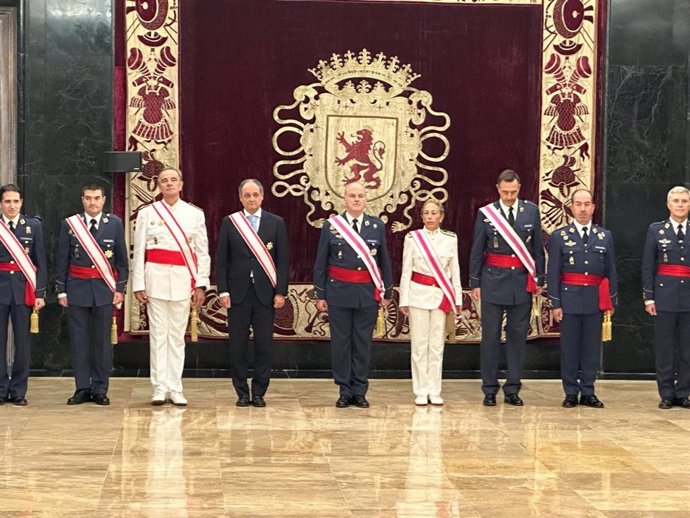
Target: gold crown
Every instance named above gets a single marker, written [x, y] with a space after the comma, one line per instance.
[364, 66]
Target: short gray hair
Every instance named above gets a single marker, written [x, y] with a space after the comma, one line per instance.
[250, 180]
[678, 189]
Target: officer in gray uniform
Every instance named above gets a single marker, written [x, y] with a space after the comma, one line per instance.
[500, 281]
[87, 298]
[666, 292]
[343, 288]
[582, 284]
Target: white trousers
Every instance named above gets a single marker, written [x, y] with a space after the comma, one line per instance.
[427, 330]
[167, 324]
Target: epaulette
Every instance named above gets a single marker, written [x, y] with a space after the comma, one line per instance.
[197, 208]
[408, 235]
[448, 232]
[530, 203]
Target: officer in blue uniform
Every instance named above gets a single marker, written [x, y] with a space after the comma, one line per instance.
[666, 292]
[350, 301]
[88, 299]
[581, 256]
[29, 232]
[503, 289]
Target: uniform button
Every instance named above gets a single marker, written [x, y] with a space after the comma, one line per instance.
[11, 262]
[512, 255]
[11, 273]
[93, 266]
[512, 267]
[661, 284]
[359, 267]
[586, 262]
[586, 273]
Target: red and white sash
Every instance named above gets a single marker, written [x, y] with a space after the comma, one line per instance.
[511, 237]
[16, 250]
[256, 246]
[434, 264]
[180, 238]
[360, 247]
[87, 241]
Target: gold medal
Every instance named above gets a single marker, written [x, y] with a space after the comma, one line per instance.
[28, 229]
[108, 253]
[571, 260]
[372, 252]
[366, 224]
[105, 220]
[269, 245]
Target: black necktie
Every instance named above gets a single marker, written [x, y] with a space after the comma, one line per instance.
[585, 236]
[12, 226]
[511, 218]
[681, 234]
[354, 225]
[93, 229]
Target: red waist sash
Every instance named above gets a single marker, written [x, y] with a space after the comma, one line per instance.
[86, 272]
[428, 280]
[29, 295]
[508, 261]
[356, 276]
[580, 279]
[171, 257]
[673, 270]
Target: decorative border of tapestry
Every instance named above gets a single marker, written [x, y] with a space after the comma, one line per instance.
[366, 117]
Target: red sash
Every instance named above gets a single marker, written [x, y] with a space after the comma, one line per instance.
[580, 279]
[508, 261]
[170, 257]
[98, 258]
[256, 246]
[428, 280]
[86, 272]
[22, 262]
[356, 276]
[185, 249]
[29, 294]
[673, 270]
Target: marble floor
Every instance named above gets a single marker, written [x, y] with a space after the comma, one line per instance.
[300, 456]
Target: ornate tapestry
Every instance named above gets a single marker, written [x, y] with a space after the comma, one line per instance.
[414, 99]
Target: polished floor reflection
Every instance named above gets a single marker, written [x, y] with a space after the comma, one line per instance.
[300, 456]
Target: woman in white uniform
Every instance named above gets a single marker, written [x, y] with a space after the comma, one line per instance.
[429, 290]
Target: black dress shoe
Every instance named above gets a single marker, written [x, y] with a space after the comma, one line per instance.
[343, 402]
[666, 404]
[79, 397]
[243, 401]
[513, 399]
[682, 402]
[591, 401]
[490, 400]
[360, 401]
[570, 401]
[19, 401]
[258, 401]
[101, 399]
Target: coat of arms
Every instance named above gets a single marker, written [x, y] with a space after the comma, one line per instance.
[361, 122]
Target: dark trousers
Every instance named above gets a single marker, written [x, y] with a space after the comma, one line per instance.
[517, 324]
[92, 352]
[580, 352]
[20, 315]
[351, 333]
[672, 353]
[260, 316]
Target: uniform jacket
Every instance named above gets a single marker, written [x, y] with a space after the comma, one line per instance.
[504, 285]
[568, 254]
[662, 247]
[235, 261]
[29, 232]
[110, 237]
[162, 281]
[333, 249]
[445, 243]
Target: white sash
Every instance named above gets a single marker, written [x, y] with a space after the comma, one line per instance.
[434, 264]
[81, 232]
[360, 247]
[255, 244]
[16, 250]
[180, 238]
[511, 237]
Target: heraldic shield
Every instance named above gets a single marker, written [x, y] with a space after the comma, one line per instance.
[361, 122]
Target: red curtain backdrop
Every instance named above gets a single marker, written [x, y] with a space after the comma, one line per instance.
[241, 59]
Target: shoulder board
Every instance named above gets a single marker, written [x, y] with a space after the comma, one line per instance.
[197, 208]
[373, 219]
[32, 219]
[530, 203]
[448, 232]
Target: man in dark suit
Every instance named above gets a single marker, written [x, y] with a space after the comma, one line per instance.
[17, 299]
[501, 281]
[666, 292]
[89, 299]
[344, 287]
[252, 277]
[582, 282]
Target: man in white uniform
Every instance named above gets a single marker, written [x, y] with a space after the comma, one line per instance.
[171, 269]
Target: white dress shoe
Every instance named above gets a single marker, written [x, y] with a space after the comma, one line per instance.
[420, 401]
[158, 397]
[178, 399]
[436, 400]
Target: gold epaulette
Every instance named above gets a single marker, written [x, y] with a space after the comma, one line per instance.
[448, 232]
